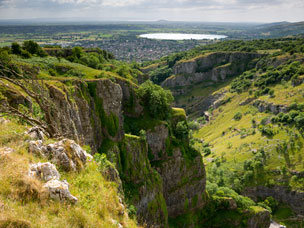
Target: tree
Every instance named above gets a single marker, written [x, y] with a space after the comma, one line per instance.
[33, 48]
[155, 99]
[182, 130]
[16, 48]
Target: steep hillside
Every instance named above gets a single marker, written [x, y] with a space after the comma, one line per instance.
[249, 127]
[25, 202]
[143, 151]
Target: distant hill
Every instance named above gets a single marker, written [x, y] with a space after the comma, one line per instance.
[279, 29]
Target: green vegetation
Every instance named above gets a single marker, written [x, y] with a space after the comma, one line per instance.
[256, 137]
[110, 121]
[27, 205]
[253, 137]
[156, 99]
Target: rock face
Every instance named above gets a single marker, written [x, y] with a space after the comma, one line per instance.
[58, 190]
[260, 219]
[92, 112]
[183, 177]
[211, 101]
[142, 185]
[156, 139]
[66, 153]
[184, 184]
[264, 106]
[280, 193]
[210, 67]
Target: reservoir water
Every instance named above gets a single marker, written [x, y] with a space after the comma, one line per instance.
[181, 36]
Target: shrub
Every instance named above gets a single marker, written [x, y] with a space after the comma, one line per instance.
[155, 99]
[142, 134]
[33, 48]
[16, 48]
[52, 72]
[201, 120]
[237, 116]
[182, 130]
[25, 54]
[299, 120]
[267, 130]
[206, 151]
[193, 125]
[264, 121]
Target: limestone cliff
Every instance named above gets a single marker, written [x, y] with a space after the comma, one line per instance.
[161, 175]
[214, 67]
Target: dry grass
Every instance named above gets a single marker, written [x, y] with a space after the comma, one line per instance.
[26, 203]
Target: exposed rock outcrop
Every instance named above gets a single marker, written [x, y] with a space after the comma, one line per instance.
[264, 106]
[184, 177]
[280, 193]
[212, 101]
[44, 171]
[58, 190]
[142, 184]
[184, 183]
[90, 113]
[210, 67]
[258, 219]
[36, 133]
[66, 153]
[156, 139]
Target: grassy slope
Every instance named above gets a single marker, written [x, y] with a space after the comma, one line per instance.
[227, 145]
[25, 202]
[228, 142]
[47, 63]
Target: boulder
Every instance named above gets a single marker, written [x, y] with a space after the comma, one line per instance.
[36, 133]
[59, 190]
[44, 171]
[67, 154]
[35, 147]
[47, 172]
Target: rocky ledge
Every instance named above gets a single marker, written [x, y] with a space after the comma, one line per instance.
[214, 67]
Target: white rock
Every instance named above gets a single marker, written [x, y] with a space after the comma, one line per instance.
[36, 133]
[59, 190]
[35, 147]
[5, 151]
[44, 171]
[65, 153]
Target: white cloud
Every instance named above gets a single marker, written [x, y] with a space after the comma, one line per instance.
[202, 10]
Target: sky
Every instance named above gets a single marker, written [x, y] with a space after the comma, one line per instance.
[173, 10]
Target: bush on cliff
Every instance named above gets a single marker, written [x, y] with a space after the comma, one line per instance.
[155, 99]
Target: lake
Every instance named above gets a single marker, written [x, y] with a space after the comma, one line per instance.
[181, 36]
